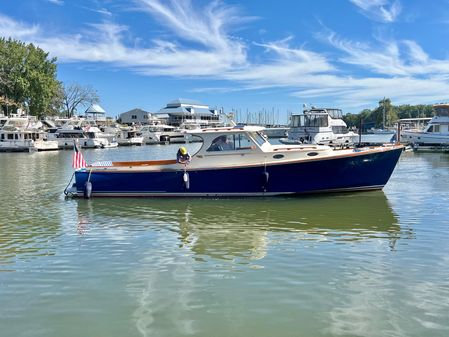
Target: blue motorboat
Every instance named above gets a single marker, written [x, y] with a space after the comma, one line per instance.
[239, 161]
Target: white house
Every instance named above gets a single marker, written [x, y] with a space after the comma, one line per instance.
[136, 116]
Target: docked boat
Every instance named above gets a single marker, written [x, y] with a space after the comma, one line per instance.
[239, 161]
[276, 132]
[21, 134]
[435, 133]
[127, 136]
[156, 133]
[320, 126]
[88, 135]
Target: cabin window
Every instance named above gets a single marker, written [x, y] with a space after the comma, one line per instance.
[339, 129]
[232, 142]
[436, 128]
[134, 117]
[222, 143]
[10, 136]
[442, 111]
[430, 129]
[313, 120]
[241, 142]
[295, 121]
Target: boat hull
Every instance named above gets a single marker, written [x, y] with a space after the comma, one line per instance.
[365, 171]
[424, 138]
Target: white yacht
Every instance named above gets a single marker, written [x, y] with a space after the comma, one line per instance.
[22, 134]
[127, 135]
[435, 133]
[320, 126]
[156, 133]
[88, 136]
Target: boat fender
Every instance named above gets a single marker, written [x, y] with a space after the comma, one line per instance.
[87, 190]
[265, 178]
[186, 179]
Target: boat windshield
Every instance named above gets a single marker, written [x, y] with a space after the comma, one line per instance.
[259, 138]
[442, 110]
[335, 113]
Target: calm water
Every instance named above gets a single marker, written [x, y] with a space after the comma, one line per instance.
[362, 264]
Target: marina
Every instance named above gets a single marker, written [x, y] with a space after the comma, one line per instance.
[326, 264]
[174, 123]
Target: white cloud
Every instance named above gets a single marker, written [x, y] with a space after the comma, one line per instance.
[57, 2]
[379, 10]
[200, 45]
[208, 27]
[15, 29]
[288, 66]
[215, 51]
[394, 58]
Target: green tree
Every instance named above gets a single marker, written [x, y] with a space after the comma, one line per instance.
[385, 114]
[28, 77]
[375, 118]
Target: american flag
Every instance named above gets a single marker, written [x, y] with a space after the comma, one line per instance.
[77, 159]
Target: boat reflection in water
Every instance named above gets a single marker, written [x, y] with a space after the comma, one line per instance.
[204, 265]
[230, 228]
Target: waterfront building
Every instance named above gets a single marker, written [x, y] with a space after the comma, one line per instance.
[135, 116]
[188, 114]
[95, 112]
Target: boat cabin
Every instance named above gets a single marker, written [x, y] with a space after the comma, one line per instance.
[320, 126]
[230, 140]
[317, 118]
[440, 122]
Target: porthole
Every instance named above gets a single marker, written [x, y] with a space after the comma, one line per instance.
[312, 154]
[278, 156]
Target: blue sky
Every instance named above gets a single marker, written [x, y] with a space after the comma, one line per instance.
[245, 55]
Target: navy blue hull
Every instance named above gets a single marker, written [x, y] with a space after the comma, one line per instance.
[359, 172]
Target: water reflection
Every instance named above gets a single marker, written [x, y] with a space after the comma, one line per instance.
[30, 213]
[229, 228]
